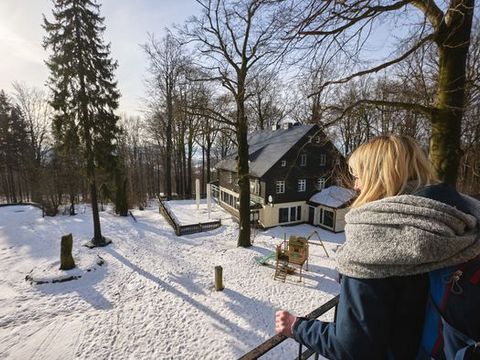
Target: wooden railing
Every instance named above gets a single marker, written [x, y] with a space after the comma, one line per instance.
[257, 199]
[186, 229]
[195, 228]
[276, 340]
[166, 214]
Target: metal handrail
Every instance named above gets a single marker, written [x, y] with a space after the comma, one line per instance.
[276, 340]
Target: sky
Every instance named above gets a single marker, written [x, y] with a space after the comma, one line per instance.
[127, 21]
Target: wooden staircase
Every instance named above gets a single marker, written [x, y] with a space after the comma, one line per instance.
[281, 270]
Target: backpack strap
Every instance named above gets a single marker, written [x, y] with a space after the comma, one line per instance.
[472, 347]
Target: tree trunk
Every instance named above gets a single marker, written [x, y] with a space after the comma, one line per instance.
[168, 172]
[203, 167]
[208, 155]
[243, 176]
[445, 151]
[98, 239]
[66, 258]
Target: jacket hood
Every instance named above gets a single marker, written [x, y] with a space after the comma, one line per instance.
[407, 235]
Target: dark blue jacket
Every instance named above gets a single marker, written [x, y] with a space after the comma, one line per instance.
[376, 318]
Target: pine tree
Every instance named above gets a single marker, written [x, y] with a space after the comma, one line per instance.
[84, 90]
[14, 149]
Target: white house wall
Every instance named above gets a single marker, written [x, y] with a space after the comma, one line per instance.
[270, 213]
[340, 219]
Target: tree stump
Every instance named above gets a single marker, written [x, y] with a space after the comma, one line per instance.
[66, 258]
[218, 278]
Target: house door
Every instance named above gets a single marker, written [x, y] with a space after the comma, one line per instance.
[311, 214]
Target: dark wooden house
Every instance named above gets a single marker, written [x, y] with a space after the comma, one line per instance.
[287, 166]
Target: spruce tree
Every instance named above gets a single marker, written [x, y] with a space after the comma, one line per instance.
[84, 90]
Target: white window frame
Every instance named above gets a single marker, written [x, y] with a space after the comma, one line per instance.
[320, 183]
[323, 159]
[303, 159]
[302, 185]
[280, 187]
[254, 186]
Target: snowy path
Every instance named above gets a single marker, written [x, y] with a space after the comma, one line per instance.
[154, 297]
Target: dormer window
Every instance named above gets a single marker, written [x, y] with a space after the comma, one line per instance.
[280, 187]
[303, 160]
[230, 177]
[302, 185]
[320, 183]
[323, 159]
[284, 163]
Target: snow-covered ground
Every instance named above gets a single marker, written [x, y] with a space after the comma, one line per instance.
[185, 212]
[154, 297]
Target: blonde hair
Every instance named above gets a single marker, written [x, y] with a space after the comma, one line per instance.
[385, 164]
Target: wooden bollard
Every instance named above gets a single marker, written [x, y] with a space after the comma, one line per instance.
[218, 278]
[66, 258]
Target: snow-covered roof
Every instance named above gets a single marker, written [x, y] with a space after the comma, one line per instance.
[333, 196]
[267, 147]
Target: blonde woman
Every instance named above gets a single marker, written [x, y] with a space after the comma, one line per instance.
[403, 225]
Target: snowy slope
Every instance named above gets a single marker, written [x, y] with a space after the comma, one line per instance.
[154, 297]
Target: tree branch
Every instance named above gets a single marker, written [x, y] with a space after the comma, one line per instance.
[429, 111]
[376, 68]
[431, 11]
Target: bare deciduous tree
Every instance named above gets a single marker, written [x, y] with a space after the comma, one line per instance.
[339, 24]
[238, 40]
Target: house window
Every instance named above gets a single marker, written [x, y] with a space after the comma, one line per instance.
[284, 163]
[326, 218]
[230, 177]
[293, 213]
[323, 159]
[280, 187]
[320, 183]
[303, 159]
[283, 215]
[290, 214]
[229, 199]
[302, 185]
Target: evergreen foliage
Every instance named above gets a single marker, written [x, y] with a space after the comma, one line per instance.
[14, 145]
[84, 90]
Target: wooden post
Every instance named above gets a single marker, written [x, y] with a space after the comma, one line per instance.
[218, 278]
[209, 200]
[66, 258]
[197, 192]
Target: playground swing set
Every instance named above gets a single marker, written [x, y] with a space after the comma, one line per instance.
[292, 253]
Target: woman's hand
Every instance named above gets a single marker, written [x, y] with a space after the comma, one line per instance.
[284, 323]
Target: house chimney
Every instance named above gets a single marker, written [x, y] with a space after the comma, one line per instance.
[275, 127]
[287, 125]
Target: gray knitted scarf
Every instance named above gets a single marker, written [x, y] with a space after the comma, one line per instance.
[407, 235]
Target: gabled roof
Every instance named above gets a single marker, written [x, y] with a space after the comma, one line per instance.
[266, 147]
[333, 196]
